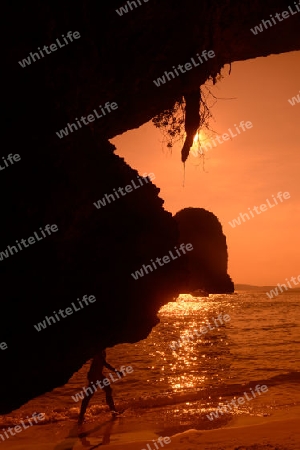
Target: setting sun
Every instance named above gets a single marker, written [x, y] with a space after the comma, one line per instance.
[198, 142]
[161, 140]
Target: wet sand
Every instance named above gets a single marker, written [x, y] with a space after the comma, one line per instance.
[280, 431]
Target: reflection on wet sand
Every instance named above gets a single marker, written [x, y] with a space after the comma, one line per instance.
[77, 433]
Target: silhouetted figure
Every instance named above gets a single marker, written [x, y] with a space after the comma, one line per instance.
[95, 376]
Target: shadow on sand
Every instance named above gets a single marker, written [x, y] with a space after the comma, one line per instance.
[76, 434]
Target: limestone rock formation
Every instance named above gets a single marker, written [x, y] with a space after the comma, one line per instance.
[93, 252]
[207, 263]
[57, 179]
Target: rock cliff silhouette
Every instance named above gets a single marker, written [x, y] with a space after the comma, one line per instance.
[207, 263]
[57, 180]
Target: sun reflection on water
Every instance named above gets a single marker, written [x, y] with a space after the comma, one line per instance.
[195, 362]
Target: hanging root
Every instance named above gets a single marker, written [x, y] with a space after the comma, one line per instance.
[192, 120]
[189, 114]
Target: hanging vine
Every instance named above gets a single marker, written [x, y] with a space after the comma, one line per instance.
[171, 121]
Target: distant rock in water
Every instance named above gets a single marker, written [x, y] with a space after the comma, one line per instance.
[207, 263]
[200, 293]
[72, 181]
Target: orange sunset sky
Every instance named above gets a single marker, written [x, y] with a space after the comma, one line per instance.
[243, 172]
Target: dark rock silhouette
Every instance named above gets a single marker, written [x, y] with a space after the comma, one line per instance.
[207, 263]
[57, 180]
[93, 252]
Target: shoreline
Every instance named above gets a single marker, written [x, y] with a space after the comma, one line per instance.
[275, 432]
[249, 433]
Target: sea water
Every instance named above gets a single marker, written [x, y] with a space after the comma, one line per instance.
[172, 391]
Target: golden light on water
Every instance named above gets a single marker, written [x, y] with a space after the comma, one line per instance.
[185, 303]
[182, 374]
[187, 367]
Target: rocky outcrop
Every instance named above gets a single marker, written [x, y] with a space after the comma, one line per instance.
[57, 179]
[207, 263]
[93, 252]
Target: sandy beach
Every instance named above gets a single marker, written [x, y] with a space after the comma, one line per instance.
[280, 431]
[162, 398]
